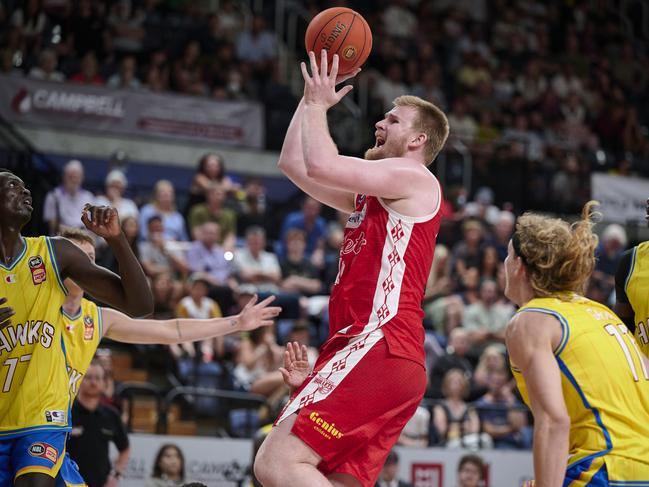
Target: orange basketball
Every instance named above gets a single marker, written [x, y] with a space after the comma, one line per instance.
[340, 31]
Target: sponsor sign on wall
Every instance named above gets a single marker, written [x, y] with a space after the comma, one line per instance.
[133, 113]
[226, 463]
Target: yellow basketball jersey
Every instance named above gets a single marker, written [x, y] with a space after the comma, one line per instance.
[34, 394]
[605, 386]
[81, 335]
[637, 290]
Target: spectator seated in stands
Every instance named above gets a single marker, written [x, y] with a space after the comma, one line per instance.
[115, 185]
[470, 471]
[163, 204]
[502, 416]
[126, 78]
[298, 274]
[64, 204]
[455, 423]
[213, 210]
[503, 230]
[106, 257]
[89, 74]
[308, 220]
[156, 254]
[168, 467]
[255, 265]
[485, 320]
[166, 294]
[257, 47]
[252, 209]
[389, 476]
[609, 251]
[211, 169]
[416, 432]
[467, 252]
[197, 305]
[207, 256]
[455, 358]
[492, 359]
[257, 363]
[46, 69]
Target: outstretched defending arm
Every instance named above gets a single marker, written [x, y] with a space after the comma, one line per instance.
[530, 337]
[129, 291]
[121, 328]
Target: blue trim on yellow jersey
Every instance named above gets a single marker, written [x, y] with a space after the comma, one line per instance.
[55, 265]
[100, 320]
[565, 329]
[67, 367]
[628, 483]
[18, 258]
[598, 419]
[631, 267]
[23, 431]
[73, 317]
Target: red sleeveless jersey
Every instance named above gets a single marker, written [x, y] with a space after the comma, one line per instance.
[385, 260]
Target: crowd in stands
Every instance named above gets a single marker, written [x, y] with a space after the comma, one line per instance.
[540, 94]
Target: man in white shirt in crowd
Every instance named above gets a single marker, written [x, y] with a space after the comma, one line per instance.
[64, 204]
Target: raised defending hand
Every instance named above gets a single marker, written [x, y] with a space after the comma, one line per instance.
[101, 220]
[296, 365]
[320, 87]
[255, 315]
[6, 312]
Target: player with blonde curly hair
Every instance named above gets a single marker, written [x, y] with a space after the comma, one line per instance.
[575, 362]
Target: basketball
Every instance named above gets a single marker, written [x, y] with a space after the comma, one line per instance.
[340, 31]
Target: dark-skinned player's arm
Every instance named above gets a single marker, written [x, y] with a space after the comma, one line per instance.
[622, 306]
[129, 291]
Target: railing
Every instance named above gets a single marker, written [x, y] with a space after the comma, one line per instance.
[231, 399]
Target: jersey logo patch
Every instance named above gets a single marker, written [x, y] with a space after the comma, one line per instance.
[37, 268]
[11, 279]
[43, 450]
[55, 417]
[325, 386]
[89, 327]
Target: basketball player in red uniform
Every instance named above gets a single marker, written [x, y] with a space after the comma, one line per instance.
[343, 419]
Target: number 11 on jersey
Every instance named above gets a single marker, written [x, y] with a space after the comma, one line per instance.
[620, 332]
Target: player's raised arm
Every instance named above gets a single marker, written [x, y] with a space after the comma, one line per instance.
[291, 163]
[120, 327]
[129, 291]
[397, 163]
[530, 341]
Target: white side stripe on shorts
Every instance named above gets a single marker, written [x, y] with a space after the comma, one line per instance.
[333, 372]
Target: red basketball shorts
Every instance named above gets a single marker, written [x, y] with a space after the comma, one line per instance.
[352, 408]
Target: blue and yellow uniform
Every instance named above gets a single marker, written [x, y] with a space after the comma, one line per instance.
[82, 333]
[636, 291]
[35, 402]
[606, 389]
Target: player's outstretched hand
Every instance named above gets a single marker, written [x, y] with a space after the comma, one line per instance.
[101, 220]
[255, 315]
[6, 312]
[320, 87]
[296, 365]
[529, 483]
